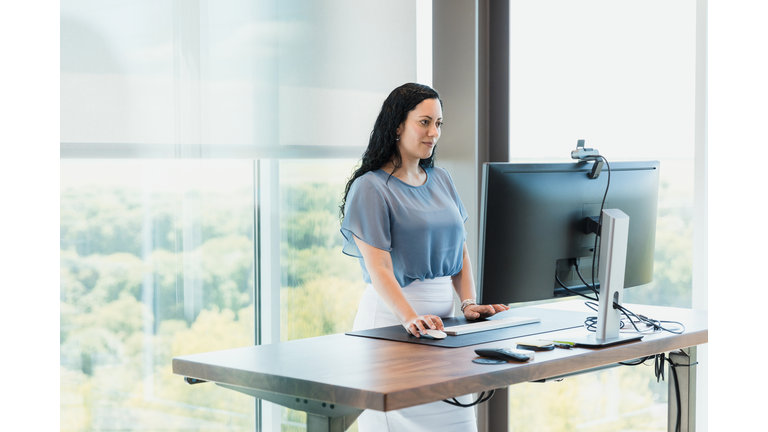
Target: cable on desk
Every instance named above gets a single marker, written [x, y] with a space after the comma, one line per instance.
[479, 400]
[590, 323]
[653, 325]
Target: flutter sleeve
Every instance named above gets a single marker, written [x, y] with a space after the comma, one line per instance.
[457, 199]
[366, 216]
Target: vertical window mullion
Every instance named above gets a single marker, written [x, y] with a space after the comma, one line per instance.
[256, 278]
[269, 271]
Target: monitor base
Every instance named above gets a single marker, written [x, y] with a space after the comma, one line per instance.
[591, 341]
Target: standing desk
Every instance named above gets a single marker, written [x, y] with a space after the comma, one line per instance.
[334, 378]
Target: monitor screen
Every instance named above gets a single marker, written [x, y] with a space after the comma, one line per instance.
[532, 227]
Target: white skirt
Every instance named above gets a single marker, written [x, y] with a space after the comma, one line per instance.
[435, 297]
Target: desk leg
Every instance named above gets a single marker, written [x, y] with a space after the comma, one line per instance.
[493, 416]
[319, 423]
[686, 383]
[321, 416]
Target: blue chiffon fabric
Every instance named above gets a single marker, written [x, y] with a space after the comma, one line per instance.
[422, 227]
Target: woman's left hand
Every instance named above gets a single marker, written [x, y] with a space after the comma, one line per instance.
[473, 312]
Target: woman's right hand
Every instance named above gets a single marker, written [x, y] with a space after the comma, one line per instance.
[417, 325]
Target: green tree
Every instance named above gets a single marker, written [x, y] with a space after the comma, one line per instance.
[325, 305]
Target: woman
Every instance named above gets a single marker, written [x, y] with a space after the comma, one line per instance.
[404, 220]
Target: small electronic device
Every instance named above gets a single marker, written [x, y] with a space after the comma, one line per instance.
[507, 354]
[536, 345]
[478, 326]
[432, 334]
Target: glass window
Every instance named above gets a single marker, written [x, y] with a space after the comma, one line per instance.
[157, 261]
[197, 138]
[630, 95]
[262, 73]
[320, 287]
[619, 75]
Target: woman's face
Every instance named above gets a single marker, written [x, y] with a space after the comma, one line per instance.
[421, 130]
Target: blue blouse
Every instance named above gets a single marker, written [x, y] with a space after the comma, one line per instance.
[422, 227]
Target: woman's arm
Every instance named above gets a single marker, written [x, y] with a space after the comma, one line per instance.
[464, 284]
[379, 265]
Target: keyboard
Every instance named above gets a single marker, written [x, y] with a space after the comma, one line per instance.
[474, 327]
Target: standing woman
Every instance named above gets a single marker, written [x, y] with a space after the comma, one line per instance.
[404, 220]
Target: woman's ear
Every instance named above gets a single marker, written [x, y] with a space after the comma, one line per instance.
[400, 128]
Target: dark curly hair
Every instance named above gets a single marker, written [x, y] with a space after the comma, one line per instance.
[382, 145]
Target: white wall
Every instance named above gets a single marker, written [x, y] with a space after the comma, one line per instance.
[738, 115]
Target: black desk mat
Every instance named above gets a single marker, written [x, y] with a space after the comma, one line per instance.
[551, 320]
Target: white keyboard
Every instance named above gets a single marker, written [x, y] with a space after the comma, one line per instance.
[479, 326]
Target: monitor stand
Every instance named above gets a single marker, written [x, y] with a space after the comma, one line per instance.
[613, 259]
[591, 341]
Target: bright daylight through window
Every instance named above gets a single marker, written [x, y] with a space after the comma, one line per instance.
[204, 151]
[205, 146]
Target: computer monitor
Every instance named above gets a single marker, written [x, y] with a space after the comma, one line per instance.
[532, 227]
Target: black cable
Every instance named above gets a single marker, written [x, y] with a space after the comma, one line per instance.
[557, 278]
[615, 305]
[659, 371]
[590, 323]
[658, 366]
[637, 361]
[673, 368]
[656, 325]
[595, 256]
[482, 398]
[653, 325]
[624, 311]
[593, 320]
[578, 273]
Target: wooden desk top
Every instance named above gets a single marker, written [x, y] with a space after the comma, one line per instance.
[383, 375]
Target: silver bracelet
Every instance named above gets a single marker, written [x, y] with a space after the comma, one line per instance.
[466, 303]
